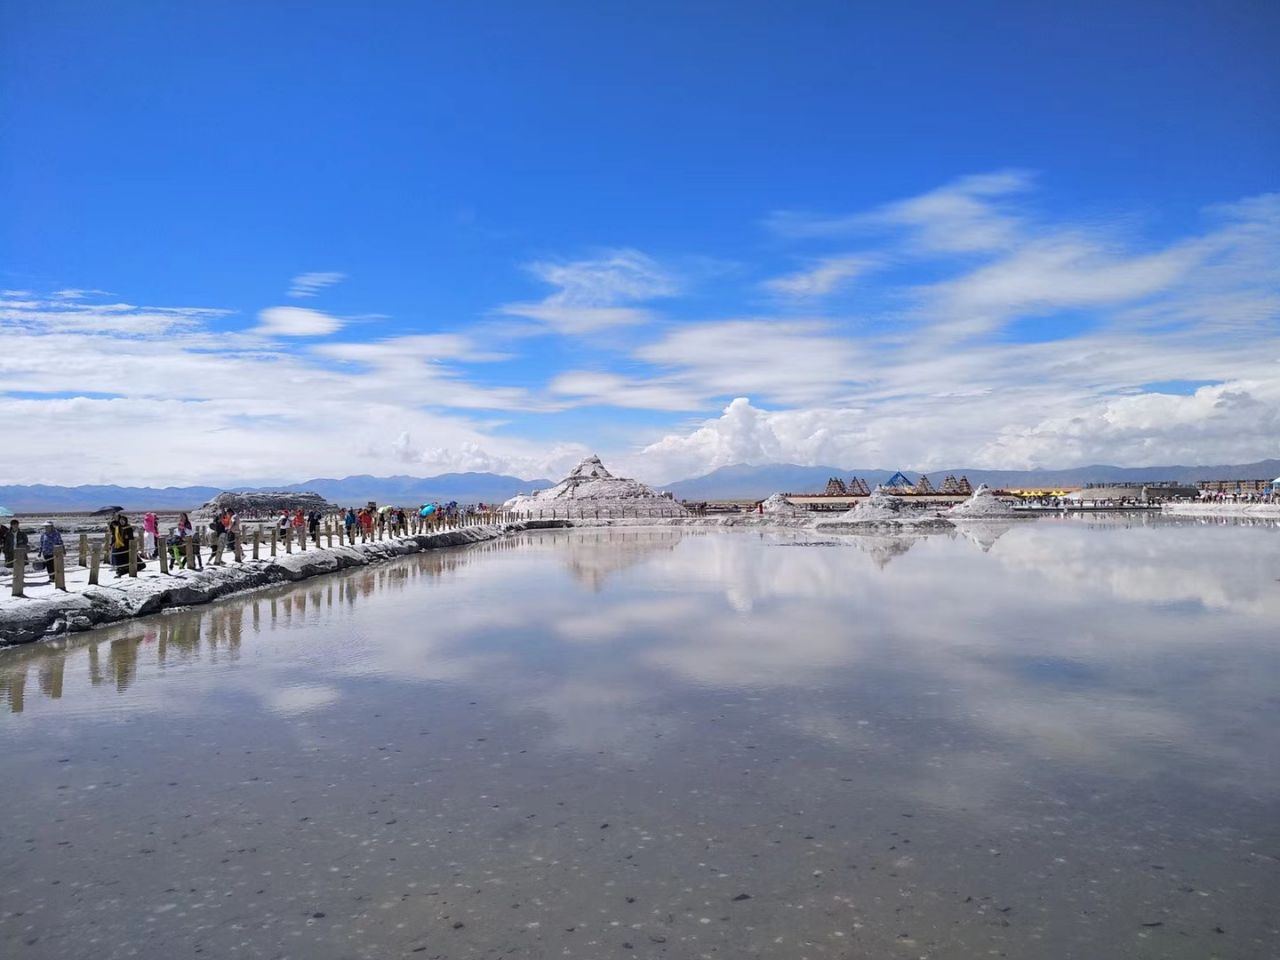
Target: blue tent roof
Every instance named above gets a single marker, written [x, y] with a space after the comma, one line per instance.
[899, 479]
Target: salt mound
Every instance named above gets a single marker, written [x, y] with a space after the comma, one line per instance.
[592, 491]
[887, 510]
[265, 504]
[778, 504]
[983, 504]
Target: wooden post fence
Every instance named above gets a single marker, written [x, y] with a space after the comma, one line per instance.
[19, 570]
[257, 540]
[133, 558]
[162, 554]
[95, 559]
[190, 544]
[273, 541]
[84, 549]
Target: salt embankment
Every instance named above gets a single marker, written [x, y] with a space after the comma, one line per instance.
[883, 509]
[1268, 511]
[984, 505]
[46, 612]
[590, 492]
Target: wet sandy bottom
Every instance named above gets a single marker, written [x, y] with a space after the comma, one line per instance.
[543, 749]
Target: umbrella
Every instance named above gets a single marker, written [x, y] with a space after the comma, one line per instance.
[427, 510]
[5, 512]
[386, 508]
[103, 510]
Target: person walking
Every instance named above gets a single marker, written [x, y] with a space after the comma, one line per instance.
[215, 531]
[15, 539]
[150, 535]
[313, 525]
[119, 536]
[187, 532]
[349, 522]
[50, 541]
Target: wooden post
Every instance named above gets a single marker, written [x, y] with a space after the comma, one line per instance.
[302, 538]
[239, 551]
[19, 569]
[257, 540]
[94, 559]
[219, 543]
[190, 544]
[274, 534]
[162, 554]
[328, 529]
[84, 548]
[133, 557]
[288, 539]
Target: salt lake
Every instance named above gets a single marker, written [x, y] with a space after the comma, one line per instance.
[1036, 738]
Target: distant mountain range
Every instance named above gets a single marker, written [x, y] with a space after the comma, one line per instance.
[738, 482]
[348, 491]
[742, 482]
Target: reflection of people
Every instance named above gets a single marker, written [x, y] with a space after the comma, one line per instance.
[50, 540]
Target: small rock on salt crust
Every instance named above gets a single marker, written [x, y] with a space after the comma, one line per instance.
[590, 490]
[983, 504]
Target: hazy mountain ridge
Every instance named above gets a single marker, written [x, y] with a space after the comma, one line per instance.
[463, 487]
[741, 481]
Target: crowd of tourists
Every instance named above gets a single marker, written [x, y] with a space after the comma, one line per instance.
[224, 532]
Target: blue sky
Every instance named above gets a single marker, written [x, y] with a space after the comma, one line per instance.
[414, 237]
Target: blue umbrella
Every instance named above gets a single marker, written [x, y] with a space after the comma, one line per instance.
[427, 510]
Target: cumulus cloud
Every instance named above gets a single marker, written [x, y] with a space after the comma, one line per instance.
[595, 294]
[296, 322]
[309, 284]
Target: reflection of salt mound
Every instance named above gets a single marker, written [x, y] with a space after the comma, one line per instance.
[589, 491]
[983, 504]
[780, 505]
[984, 532]
[884, 550]
[884, 509]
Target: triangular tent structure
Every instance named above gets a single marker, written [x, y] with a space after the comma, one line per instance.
[899, 483]
[924, 486]
[836, 488]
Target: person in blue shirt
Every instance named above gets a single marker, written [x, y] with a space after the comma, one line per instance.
[50, 541]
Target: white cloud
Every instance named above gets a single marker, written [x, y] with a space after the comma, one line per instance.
[309, 284]
[824, 277]
[594, 294]
[961, 217]
[296, 322]
[790, 362]
[1021, 341]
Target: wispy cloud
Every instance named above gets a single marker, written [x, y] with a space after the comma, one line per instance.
[596, 294]
[961, 217]
[296, 322]
[822, 278]
[309, 284]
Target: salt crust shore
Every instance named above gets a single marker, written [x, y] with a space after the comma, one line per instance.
[1269, 510]
[47, 612]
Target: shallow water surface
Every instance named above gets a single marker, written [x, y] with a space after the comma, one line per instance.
[1047, 738]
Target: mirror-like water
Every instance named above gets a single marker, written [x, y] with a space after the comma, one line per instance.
[1042, 739]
